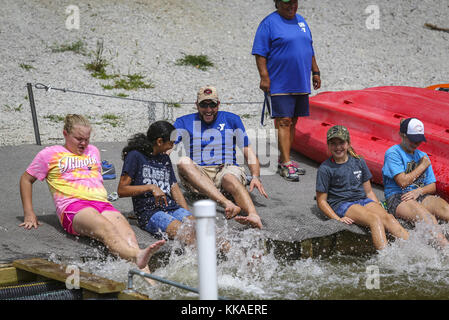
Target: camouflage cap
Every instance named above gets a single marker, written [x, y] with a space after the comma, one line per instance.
[338, 131]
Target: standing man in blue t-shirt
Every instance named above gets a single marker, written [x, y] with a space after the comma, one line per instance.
[211, 138]
[285, 59]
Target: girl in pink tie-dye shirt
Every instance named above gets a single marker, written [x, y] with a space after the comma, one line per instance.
[73, 175]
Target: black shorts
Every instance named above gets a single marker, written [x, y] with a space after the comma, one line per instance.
[395, 200]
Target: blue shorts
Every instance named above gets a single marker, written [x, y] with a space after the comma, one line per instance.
[160, 220]
[343, 207]
[290, 106]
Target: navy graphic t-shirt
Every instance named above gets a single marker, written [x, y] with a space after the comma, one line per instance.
[157, 170]
[342, 182]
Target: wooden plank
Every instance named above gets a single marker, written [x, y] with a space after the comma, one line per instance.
[10, 275]
[132, 295]
[60, 273]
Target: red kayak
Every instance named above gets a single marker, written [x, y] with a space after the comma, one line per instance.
[372, 116]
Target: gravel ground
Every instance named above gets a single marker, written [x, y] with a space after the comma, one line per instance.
[148, 36]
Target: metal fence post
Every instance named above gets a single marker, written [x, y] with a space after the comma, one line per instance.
[33, 114]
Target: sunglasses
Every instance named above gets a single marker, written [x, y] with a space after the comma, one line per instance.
[205, 105]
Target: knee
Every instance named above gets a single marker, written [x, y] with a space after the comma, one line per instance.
[374, 219]
[424, 215]
[184, 163]
[229, 180]
[285, 122]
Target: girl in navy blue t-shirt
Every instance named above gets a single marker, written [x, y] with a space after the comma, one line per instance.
[344, 192]
[148, 177]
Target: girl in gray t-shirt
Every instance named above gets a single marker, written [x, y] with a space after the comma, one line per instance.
[344, 192]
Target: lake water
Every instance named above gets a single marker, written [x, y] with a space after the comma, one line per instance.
[412, 269]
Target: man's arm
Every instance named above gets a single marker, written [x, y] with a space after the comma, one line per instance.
[254, 168]
[261, 63]
[316, 79]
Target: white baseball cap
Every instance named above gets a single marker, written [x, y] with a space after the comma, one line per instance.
[413, 129]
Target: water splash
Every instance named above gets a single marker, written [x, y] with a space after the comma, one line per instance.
[410, 269]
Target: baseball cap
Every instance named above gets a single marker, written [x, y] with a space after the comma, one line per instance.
[338, 131]
[413, 129]
[207, 93]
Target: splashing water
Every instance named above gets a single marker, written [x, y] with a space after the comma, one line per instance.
[411, 269]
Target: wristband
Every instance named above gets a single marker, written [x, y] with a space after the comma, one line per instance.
[316, 73]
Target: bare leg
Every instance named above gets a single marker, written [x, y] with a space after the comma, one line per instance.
[88, 222]
[231, 184]
[388, 220]
[187, 168]
[284, 129]
[184, 231]
[364, 217]
[437, 206]
[414, 211]
[292, 130]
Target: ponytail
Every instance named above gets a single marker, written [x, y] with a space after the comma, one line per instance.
[353, 154]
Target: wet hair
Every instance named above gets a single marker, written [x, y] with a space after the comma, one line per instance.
[144, 143]
[72, 120]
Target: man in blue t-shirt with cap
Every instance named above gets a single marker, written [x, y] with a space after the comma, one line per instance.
[210, 138]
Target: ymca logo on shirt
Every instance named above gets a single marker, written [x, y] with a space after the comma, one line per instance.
[302, 25]
[221, 126]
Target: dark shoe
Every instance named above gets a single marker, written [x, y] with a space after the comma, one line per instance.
[108, 170]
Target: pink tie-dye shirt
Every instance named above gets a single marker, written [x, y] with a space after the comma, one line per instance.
[70, 177]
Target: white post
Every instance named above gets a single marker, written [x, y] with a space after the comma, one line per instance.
[204, 212]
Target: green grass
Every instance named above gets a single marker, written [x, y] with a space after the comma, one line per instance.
[173, 104]
[99, 64]
[11, 108]
[76, 47]
[111, 119]
[26, 67]
[54, 118]
[129, 82]
[201, 62]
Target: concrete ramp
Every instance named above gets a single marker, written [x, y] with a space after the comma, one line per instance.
[290, 215]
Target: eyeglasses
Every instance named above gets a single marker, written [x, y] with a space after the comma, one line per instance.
[205, 105]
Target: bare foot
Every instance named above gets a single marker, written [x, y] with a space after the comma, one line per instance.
[253, 220]
[231, 210]
[148, 280]
[144, 255]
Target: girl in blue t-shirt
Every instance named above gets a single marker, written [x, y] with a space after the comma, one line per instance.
[409, 179]
[344, 192]
[148, 177]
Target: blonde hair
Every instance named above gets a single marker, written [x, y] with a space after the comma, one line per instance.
[352, 153]
[72, 120]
